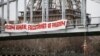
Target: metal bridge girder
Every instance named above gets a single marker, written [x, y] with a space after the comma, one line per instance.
[5, 3]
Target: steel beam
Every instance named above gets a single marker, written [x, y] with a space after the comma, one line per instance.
[2, 22]
[63, 9]
[24, 11]
[83, 12]
[8, 11]
[31, 11]
[16, 11]
[5, 3]
[47, 10]
[43, 11]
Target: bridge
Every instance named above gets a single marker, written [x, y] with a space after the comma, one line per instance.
[74, 26]
[79, 32]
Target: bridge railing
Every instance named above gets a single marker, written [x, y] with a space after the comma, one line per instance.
[95, 20]
[78, 22]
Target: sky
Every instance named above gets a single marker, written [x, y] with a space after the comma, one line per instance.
[93, 9]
